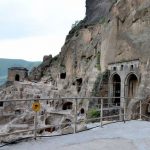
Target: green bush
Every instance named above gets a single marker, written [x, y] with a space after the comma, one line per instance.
[93, 113]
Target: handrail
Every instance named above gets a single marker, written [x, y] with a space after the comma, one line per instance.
[64, 98]
[120, 114]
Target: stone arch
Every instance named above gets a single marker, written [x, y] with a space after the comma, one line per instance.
[115, 90]
[18, 112]
[67, 105]
[66, 123]
[146, 108]
[48, 120]
[131, 85]
[17, 77]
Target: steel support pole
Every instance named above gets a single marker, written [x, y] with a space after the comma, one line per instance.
[75, 116]
[124, 116]
[101, 113]
[140, 110]
[35, 125]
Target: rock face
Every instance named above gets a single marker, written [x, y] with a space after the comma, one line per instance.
[112, 32]
[98, 10]
[17, 116]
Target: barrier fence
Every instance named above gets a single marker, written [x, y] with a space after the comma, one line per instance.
[37, 117]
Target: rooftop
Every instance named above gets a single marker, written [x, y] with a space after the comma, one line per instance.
[18, 68]
[125, 61]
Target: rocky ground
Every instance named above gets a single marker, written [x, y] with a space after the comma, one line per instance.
[17, 116]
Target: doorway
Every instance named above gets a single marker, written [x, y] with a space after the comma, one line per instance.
[17, 77]
[116, 84]
[132, 85]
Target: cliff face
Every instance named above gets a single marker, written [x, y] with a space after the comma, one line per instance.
[98, 10]
[80, 56]
[112, 31]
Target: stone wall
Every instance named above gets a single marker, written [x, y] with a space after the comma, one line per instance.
[17, 74]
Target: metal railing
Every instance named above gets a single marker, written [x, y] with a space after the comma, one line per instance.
[104, 111]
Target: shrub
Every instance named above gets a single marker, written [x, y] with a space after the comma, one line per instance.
[93, 113]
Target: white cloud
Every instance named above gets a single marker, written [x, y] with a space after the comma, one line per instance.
[30, 29]
[31, 48]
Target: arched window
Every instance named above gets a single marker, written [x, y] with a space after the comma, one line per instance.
[131, 67]
[114, 68]
[121, 68]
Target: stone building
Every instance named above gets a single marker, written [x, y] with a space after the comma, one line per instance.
[124, 80]
[17, 74]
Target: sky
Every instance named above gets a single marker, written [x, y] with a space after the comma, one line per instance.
[30, 29]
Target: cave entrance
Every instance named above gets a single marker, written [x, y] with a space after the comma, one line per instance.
[17, 77]
[48, 120]
[79, 84]
[82, 111]
[132, 85]
[50, 129]
[116, 81]
[17, 112]
[63, 75]
[1, 104]
[67, 105]
[66, 123]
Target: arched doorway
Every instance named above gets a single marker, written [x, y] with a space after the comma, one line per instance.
[132, 85]
[82, 111]
[116, 89]
[17, 77]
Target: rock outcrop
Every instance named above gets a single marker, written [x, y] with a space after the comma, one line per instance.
[98, 11]
[112, 31]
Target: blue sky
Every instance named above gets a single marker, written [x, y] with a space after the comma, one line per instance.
[30, 29]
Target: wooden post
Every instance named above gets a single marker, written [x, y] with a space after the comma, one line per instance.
[35, 125]
[140, 110]
[75, 116]
[101, 113]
